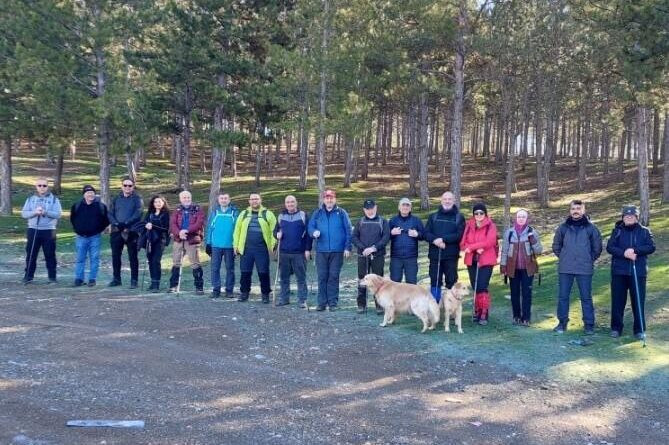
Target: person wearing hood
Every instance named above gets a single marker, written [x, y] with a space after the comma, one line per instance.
[42, 211]
[629, 245]
[219, 233]
[577, 244]
[479, 244]
[89, 218]
[405, 232]
[443, 232]
[520, 246]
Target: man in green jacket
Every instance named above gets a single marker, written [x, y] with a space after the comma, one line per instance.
[253, 240]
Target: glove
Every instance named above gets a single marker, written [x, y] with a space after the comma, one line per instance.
[502, 269]
[532, 238]
[207, 248]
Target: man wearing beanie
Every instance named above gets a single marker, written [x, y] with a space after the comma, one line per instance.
[444, 231]
[629, 245]
[577, 244]
[89, 219]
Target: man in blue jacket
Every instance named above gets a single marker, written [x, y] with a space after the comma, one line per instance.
[405, 232]
[629, 245]
[294, 250]
[330, 226]
[218, 244]
[577, 244]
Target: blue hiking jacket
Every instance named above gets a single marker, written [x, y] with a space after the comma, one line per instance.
[221, 227]
[335, 228]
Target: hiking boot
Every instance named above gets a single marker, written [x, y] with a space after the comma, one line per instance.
[483, 320]
[265, 299]
[362, 309]
[589, 330]
[91, 283]
[52, 282]
[198, 281]
[115, 283]
[614, 334]
[320, 308]
[133, 284]
[199, 291]
[216, 293]
[78, 282]
[229, 294]
[243, 297]
[560, 328]
[282, 303]
[26, 280]
[640, 336]
[332, 308]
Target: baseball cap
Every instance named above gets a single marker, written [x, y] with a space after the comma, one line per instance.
[368, 204]
[630, 210]
[405, 201]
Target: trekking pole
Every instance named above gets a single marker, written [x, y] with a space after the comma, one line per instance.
[181, 265]
[476, 285]
[438, 277]
[276, 275]
[32, 248]
[148, 253]
[368, 271]
[638, 303]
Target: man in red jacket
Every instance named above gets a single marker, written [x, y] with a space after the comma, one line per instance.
[186, 224]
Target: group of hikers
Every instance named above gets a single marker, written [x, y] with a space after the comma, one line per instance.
[255, 234]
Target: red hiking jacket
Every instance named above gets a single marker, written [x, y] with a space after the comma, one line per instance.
[482, 237]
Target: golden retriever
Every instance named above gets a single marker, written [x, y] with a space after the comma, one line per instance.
[452, 303]
[402, 298]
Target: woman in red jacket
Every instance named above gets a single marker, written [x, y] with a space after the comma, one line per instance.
[479, 243]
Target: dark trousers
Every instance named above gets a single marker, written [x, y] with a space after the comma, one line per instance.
[484, 274]
[154, 254]
[46, 240]
[218, 256]
[293, 263]
[259, 257]
[117, 241]
[621, 286]
[368, 264]
[404, 266]
[521, 285]
[584, 282]
[448, 272]
[328, 265]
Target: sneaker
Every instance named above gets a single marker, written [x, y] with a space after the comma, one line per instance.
[320, 308]
[282, 303]
[171, 290]
[483, 322]
[614, 334]
[640, 336]
[303, 305]
[243, 297]
[199, 291]
[133, 284]
[589, 330]
[332, 308]
[78, 282]
[52, 282]
[265, 299]
[26, 280]
[229, 294]
[216, 293]
[114, 283]
[516, 321]
[560, 328]
[91, 283]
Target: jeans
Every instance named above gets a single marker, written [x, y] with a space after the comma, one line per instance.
[259, 257]
[328, 265]
[584, 282]
[87, 246]
[481, 282]
[218, 256]
[117, 241]
[370, 264]
[621, 285]
[406, 266]
[448, 271]
[293, 263]
[154, 255]
[521, 284]
[46, 239]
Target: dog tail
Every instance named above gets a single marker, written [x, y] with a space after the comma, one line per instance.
[433, 311]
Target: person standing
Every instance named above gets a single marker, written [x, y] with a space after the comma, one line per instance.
[156, 237]
[370, 236]
[124, 213]
[42, 210]
[479, 244]
[253, 240]
[629, 245]
[219, 236]
[577, 244]
[89, 218]
[520, 246]
[186, 230]
[294, 250]
[443, 232]
[330, 226]
[405, 232]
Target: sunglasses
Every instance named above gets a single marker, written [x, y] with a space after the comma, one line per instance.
[479, 213]
[42, 185]
[128, 185]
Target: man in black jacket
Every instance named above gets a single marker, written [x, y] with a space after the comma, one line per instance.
[370, 236]
[629, 245]
[405, 232]
[89, 219]
[444, 230]
[124, 214]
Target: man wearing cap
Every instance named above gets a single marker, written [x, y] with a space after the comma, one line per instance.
[42, 210]
[577, 244]
[89, 219]
[405, 232]
[125, 212]
[330, 226]
[370, 236]
[444, 231]
[629, 245]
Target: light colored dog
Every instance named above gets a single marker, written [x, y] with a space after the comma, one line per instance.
[452, 303]
[402, 298]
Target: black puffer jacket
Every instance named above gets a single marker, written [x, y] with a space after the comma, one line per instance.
[624, 237]
[448, 225]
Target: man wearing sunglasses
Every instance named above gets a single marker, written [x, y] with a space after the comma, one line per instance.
[124, 214]
[42, 210]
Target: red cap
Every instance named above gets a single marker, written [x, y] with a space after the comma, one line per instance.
[329, 193]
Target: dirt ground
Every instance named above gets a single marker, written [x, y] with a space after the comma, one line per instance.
[199, 371]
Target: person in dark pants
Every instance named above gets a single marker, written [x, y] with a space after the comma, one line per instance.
[330, 226]
[370, 236]
[42, 210]
[254, 240]
[155, 237]
[294, 250]
[124, 213]
[443, 232]
[577, 244]
[629, 245]
[89, 218]
[405, 232]
[520, 246]
[220, 230]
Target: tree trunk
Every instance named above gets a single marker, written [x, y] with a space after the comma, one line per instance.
[259, 152]
[218, 152]
[348, 160]
[103, 126]
[411, 153]
[6, 176]
[131, 167]
[458, 103]
[322, 97]
[423, 154]
[367, 142]
[58, 173]
[642, 157]
[665, 159]
[510, 177]
[656, 141]
[542, 186]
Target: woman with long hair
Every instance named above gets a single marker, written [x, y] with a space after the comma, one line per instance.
[156, 237]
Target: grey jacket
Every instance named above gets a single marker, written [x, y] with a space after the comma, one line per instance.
[52, 211]
[577, 244]
[125, 212]
[511, 237]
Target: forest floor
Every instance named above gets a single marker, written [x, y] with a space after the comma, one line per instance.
[201, 371]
